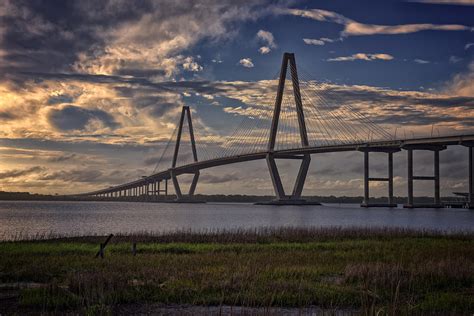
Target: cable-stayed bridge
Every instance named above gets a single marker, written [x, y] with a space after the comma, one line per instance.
[304, 118]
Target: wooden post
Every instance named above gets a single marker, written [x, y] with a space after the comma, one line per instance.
[134, 249]
[102, 247]
[101, 250]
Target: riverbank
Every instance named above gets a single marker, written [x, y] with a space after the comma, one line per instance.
[213, 198]
[352, 270]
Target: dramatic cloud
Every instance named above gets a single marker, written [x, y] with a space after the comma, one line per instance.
[353, 28]
[20, 173]
[77, 118]
[114, 37]
[468, 45]
[91, 91]
[363, 56]
[246, 62]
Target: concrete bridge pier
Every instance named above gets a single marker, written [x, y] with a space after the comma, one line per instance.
[410, 177]
[470, 194]
[185, 112]
[180, 197]
[281, 197]
[471, 178]
[388, 179]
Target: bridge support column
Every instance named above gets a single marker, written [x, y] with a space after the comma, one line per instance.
[471, 178]
[436, 178]
[410, 177]
[281, 197]
[185, 112]
[390, 179]
[368, 179]
[437, 197]
[275, 177]
[180, 197]
[470, 194]
[295, 197]
[470, 202]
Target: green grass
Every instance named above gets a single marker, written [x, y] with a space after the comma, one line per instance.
[404, 272]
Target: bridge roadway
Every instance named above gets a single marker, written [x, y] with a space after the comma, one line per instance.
[384, 146]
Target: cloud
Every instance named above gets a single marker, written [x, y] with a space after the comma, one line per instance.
[264, 50]
[468, 45]
[75, 175]
[321, 41]
[462, 84]
[421, 61]
[246, 62]
[100, 87]
[318, 15]
[325, 39]
[63, 158]
[215, 179]
[267, 37]
[413, 110]
[310, 41]
[354, 28]
[362, 56]
[408, 110]
[76, 118]
[16, 173]
[8, 115]
[449, 2]
[190, 65]
[454, 59]
[115, 37]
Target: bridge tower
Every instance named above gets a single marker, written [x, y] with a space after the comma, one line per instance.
[185, 113]
[281, 196]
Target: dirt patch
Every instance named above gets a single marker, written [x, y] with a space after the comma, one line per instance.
[157, 309]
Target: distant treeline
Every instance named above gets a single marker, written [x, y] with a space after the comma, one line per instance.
[26, 196]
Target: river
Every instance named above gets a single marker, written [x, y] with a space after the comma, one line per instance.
[30, 218]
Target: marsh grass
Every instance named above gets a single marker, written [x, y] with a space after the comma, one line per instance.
[373, 271]
[255, 235]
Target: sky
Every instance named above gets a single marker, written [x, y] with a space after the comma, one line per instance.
[91, 91]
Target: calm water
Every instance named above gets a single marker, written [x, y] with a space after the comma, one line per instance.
[74, 218]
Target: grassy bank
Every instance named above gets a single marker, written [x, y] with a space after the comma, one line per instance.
[363, 270]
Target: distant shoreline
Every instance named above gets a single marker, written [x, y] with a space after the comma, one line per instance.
[235, 198]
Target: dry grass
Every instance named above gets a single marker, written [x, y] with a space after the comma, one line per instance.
[256, 235]
[373, 271]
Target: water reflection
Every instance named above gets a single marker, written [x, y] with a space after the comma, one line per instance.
[66, 218]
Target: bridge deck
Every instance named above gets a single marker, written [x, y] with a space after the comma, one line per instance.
[200, 165]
